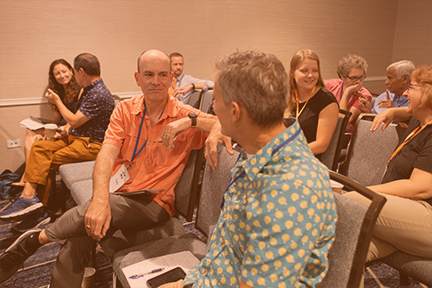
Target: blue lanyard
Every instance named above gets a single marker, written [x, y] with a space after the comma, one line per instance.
[273, 153]
[135, 153]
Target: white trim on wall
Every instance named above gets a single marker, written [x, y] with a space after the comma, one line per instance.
[123, 95]
[38, 101]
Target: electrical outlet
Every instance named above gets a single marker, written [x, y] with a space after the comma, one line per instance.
[13, 143]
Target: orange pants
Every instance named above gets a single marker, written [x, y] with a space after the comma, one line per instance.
[49, 155]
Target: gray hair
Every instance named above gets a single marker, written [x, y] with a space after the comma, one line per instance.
[350, 61]
[404, 67]
[256, 81]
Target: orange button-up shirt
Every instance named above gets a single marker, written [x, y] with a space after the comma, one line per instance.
[156, 166]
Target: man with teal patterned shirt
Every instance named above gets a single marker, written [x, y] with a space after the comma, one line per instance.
[278, 217]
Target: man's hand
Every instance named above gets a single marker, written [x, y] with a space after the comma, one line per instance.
[385, 117]
[353, 88]
[386, 103]
[179, 92]
[211, 143]
[63, 133]
[178, 284]
[97, 219]
[364, 104]
[52, 97]
[173, 129]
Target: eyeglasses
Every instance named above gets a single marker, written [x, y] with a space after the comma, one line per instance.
[410, 88]
[356, 78]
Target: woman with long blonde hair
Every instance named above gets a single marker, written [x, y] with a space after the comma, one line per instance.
[311, 103]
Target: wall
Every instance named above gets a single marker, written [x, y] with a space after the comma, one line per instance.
[33, 33]
[413, 37]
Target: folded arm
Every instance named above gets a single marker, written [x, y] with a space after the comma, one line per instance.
[417, 187]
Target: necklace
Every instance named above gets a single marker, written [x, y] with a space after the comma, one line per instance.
[297, 102]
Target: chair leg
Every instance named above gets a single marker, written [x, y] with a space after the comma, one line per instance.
[404, 280]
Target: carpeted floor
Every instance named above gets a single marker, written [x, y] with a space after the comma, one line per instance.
[37, 269]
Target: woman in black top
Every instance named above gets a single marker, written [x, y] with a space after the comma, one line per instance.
[405, 223]
[311, 103]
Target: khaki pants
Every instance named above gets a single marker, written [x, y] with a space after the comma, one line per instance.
[403, 224]
[46, 155]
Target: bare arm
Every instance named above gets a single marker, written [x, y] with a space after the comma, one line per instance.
[211, 143]
[176, 127]
[179, 92]
[388, 115]
[417, 187]
[327, 121]
[98, 215]
[74, 120]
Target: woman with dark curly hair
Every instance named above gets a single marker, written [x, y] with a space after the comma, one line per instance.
[62, 81]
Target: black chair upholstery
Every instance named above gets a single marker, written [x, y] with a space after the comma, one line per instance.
[206, 100]
[331, 156]
[195, 98]
[354, 229]
[369, 152]
[213, 188]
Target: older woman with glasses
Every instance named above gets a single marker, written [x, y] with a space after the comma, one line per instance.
[348, 90]
[405, 223]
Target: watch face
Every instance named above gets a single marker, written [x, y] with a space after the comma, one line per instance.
[192, 115]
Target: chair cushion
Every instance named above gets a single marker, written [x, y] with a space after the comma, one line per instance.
[157, 248]
[123, 239]
[350, 219]
[416, 267]
[75, 172]
[82, 191]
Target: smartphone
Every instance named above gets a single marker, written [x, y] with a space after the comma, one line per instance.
[170, 276]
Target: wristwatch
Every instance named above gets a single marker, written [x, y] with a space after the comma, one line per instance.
[193, 118]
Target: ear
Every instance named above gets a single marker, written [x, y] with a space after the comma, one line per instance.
[406, 79]
[172, 76]
[136, 75]
[236, 111]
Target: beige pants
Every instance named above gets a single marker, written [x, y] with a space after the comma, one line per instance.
[403, 224]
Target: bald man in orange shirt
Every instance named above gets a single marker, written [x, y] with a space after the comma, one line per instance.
[150, 137]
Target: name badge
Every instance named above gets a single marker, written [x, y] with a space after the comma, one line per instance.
[120, 178]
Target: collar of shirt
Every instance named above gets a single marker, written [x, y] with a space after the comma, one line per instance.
[180, 78]
[91, 86]
[254, 165]
[170, 109]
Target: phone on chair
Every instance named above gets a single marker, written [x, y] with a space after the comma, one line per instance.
[170, 276]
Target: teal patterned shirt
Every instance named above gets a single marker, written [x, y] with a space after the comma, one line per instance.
[277, 223]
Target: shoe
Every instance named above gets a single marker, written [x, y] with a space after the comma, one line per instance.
[20, 184]
[20, 207]
[31, 222]
[14, 257]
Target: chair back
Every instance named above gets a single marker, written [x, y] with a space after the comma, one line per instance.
[187, 187]
[369, 152]
[330, 157]
[195, 98]
[213, 188]
[354, 229]
[206, 101]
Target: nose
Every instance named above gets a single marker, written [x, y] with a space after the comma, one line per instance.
[387, 82]
[405, 93]
[156, 80]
